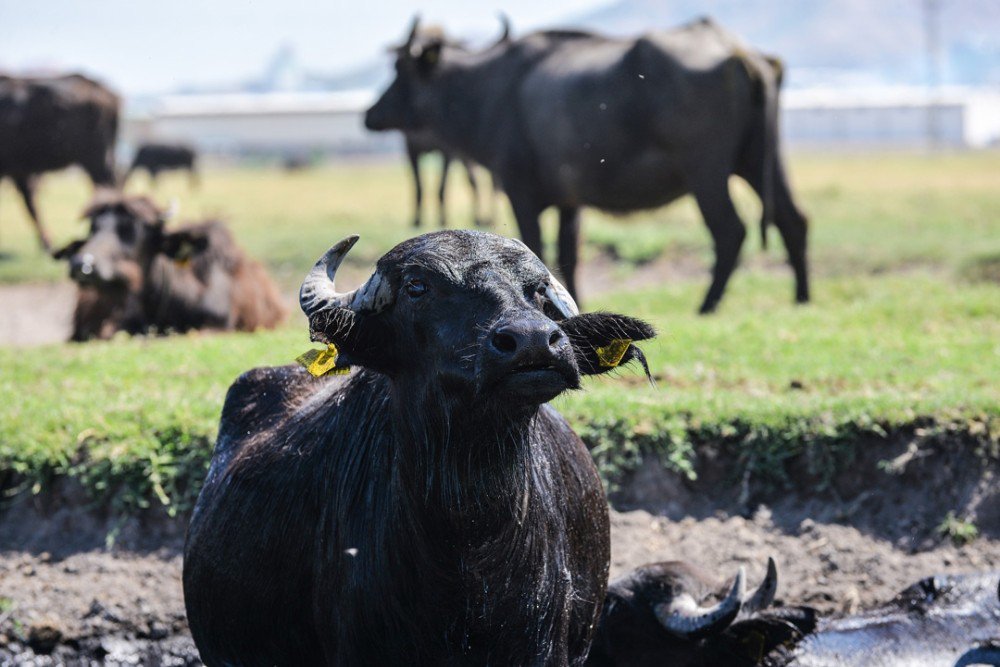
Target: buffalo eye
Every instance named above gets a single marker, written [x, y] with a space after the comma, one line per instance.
[415, 288]
[126, 232]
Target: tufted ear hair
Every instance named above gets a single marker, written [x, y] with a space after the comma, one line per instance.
[183, 244]
[769, 635]
[604, 341]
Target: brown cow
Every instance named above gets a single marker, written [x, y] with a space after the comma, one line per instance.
[138, 277]
[49, 123]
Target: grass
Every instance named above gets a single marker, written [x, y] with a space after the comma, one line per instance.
[903, 334]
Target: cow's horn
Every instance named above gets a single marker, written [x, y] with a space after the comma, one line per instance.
[318, 291]
[560, 298]
[764, 595]
[412, 35]
[505, 29]
[685, 618]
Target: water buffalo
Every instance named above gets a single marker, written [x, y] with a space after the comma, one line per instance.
[156, 158]
[52, 123]
[137, 276]
[422, 142]
[653, 616]
[571, 119]
[942, 621]
[429, 508]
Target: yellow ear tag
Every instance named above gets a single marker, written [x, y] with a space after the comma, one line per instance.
[182, 262]
[611, 354]
[322, 362]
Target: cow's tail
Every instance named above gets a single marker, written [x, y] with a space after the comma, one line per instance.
[770, 87]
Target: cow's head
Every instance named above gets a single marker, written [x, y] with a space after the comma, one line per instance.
[421, 60]
[657, 615]
[477, 314]
[126, 234]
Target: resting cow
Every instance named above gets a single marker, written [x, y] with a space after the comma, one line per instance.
[156, 158]
[572, 119]
[653, 616]
[51, 123]
[429, 508]
[137, 276]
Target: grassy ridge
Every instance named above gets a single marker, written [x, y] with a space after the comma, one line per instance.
[904, 332]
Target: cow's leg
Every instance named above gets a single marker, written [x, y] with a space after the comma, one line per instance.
[790, 221]
[470, 172]
[26, 186]
[793, 226]
[728, 233]
[413, 156]
[443, 189]
[526, 212]
[569, 246]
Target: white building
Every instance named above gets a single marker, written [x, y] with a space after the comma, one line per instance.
[890, 118]
[331, 123]
[279, 124]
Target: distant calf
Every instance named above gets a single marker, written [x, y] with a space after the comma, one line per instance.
[138, 277]
[155, 158]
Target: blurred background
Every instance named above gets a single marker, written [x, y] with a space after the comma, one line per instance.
[271, 79]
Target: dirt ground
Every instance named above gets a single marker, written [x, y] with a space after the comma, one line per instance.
[36, 314]
[82, 604]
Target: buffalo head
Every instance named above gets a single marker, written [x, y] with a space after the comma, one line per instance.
[421, 60]
[126, 234]
[657, 615]
[478, 314]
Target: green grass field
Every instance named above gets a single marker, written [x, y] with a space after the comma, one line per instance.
[903, 334]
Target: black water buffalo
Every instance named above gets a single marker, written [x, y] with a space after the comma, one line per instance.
[137, 276]
[571, 119]
[156, 158]
[51, 123]
[942, 621]
[430, 508]
[653, 616]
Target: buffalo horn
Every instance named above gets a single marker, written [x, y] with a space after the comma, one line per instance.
[318, 291]
[560, 298]
[685, 618]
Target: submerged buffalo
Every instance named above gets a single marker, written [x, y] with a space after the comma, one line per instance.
[429, 508]
[572, 119]
[51, 123]
[136, 275]
[155, 158]
[944, 621]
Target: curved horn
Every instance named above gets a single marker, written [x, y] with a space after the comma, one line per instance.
[561, 298]
[414, 26]
[686, 619]
[505, 29]
[762, 598]
[318, 291]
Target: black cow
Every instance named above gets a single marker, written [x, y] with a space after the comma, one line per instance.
[156, 158]
[653, 616]
[571, 119]
[430, 508]
[51, 123]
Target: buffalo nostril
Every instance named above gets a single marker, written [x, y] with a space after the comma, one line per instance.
[504, 342]
[556, 337]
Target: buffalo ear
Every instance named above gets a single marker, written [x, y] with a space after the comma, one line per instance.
[184, 244]
[69, 249]
[604, 341]
[430, 56]
[363, 340]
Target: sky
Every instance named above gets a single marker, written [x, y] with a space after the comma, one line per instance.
[143, 47]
